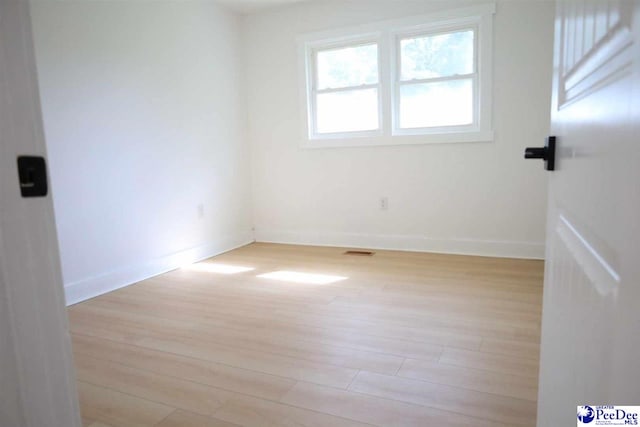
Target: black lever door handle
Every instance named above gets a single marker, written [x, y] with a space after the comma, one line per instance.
[546, 153]
[535, 153]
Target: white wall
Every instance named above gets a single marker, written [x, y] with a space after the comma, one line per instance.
[145, 120]
[479, 198]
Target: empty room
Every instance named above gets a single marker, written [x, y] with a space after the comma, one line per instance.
[319, 213]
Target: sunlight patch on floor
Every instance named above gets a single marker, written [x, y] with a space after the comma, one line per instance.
[297, 277]
[209, 267]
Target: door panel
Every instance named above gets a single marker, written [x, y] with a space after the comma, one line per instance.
[36, 356]
[590, 338]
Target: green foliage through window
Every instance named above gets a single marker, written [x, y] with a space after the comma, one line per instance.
[347, 67]
[440, 55]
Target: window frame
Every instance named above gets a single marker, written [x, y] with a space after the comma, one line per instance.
[388, 35]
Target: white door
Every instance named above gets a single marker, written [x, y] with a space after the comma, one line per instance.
[590, 351]
[37, 386]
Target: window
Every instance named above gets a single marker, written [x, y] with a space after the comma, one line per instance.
[436, 80]
[418, 80]
[346, 89]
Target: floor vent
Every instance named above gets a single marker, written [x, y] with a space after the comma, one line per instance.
[359, 253]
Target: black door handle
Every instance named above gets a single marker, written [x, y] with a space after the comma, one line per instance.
[32, 174]
[546, 153]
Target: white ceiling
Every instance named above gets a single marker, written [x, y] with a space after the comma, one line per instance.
[252, 6]
[243, 7]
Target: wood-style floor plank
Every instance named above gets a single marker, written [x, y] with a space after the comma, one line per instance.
[252, 412]
[507, 410]
[100, 404]
[375, 410]
[169, 391]
[407, 339]
[196, 347]
[527, 349]
[196, 370]
[266, 336]
[180, 418]
[521, 387]
[526, 367]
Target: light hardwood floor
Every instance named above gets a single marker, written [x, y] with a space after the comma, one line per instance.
[407, 339]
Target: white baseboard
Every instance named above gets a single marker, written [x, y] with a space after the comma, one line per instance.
[493, 248]
[91, 287]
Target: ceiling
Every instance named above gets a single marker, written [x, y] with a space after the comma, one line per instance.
[252, 6]
[243, 7]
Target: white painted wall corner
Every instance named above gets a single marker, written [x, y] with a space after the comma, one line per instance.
[91, 287]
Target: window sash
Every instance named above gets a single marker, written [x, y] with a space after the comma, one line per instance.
[350, 133]
[398, 130]
[419, 34]
[314, 63]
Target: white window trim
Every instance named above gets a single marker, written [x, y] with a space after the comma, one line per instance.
[386, 35]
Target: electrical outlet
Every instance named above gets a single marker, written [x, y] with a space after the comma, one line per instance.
[200, 211]
[384, 203]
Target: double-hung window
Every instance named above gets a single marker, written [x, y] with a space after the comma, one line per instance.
[412, 81]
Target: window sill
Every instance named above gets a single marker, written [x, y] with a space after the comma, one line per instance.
[387, 140]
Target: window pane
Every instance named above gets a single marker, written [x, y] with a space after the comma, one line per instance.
[348, 111]
[350, 66]
[448, 103]
[439, 55]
